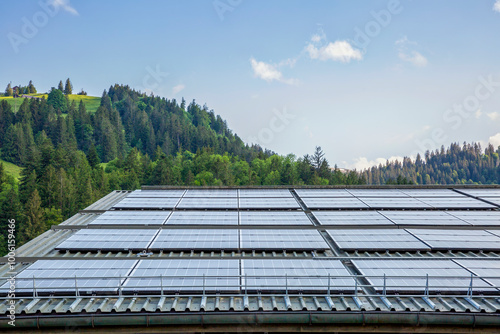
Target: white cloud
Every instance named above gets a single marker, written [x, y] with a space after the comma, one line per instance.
[316, 38]
[495, 140]
[269, 72]
[478, 113]
[178, 89]
[414, 57]
[496, 6]
[362, 163]
[338, 51]
[493, 115]
[406, 52]
[65, 5]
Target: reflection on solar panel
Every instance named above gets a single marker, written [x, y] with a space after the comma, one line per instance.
[257, 275]
[188, 275]
[147, 203]
[274, 218]
[376, 240]
[490, 218]
[282, 239]
[455, 203]
[156, 193]
[481, 192]
[458, 239]
[203, 218]
[263, 193]
[434, 218]
[181, 239]
[351, 218]
[377, 193]
[208, 203]
[101, 239]
[131, 218]
[323, 193]
[394, 203]
[431, 193]
[268, 203]
[413, 275]
[196, 193]
[483, 268]
[334, 203]
[59, 275]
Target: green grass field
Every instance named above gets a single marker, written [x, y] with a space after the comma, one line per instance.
[91, 102]
[11, 169]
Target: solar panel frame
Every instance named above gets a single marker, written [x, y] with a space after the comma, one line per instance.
[450, 239]
[211, 193]
[108, 240]
[334, 203]
[202, 239]
[169, 193]
[214, 203]
[478, 218]
[433, 218]
[270, 239]
[268, 203]
[356, 218]
[289, 274]
[130, 217]
[376, 240]
[147, 203]
[203, 218]
[304, 193]
[264, 193]
[274, 218]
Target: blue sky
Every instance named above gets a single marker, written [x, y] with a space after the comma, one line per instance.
[365, 80]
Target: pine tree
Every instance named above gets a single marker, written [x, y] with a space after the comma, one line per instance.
[92, 156]
[68, 88]
[9, 91]
[34, 224]
[60, 86]
[31, 88]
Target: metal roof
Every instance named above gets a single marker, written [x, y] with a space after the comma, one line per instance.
[361, 307]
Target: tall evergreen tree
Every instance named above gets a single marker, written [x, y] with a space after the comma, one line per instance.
[68, 87]
[34, 224]
[9, 91]
[60, 86]
[31, 88]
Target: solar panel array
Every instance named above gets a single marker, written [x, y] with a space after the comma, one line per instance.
[242, 221]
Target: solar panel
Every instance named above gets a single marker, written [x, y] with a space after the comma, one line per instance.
[131, 218]
[334, 203]
[274, 218]
[101, 239]
[264, 193]
[203, 193]
[351, 218]
[431, 193]
[156, 193]
[189, 239]
[258, 275]
[455, 203]
[458, 239]
[268, 203]
[146, 203]
[376, 240]
[494, 200]
[477, 218]
[185, 275]
[410, 275]
[203, 218]
[208, 203]
[481, 192]
[489, 269]
[53, 276]
[323, 193]
[434, 218]
[377, 193]
[282, 239]
[394, 203]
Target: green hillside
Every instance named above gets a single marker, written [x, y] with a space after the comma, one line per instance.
[91, 102]
[11, 169]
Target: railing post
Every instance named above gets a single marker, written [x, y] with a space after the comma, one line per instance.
[385, 286]
[120, 285]
[77, 293]
[203, 284]
[34, 287]
[356, 285]
[427, 284]
[469, 291]
[328, 284]
[286, 284]
[161, 284]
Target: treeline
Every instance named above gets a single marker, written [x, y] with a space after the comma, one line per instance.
[466, 164]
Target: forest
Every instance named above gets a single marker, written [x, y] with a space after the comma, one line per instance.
[71, 157]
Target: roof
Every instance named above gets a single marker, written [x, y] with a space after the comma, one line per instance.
[274, 258]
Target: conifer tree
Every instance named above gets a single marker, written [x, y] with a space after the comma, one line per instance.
[31, 88]
[68, 88]
[60, 86]
[34, 224]
[9, 91]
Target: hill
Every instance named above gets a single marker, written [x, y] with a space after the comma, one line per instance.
[91, 102]
[11, 169]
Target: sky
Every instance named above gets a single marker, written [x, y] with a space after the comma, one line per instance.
[365, 80]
